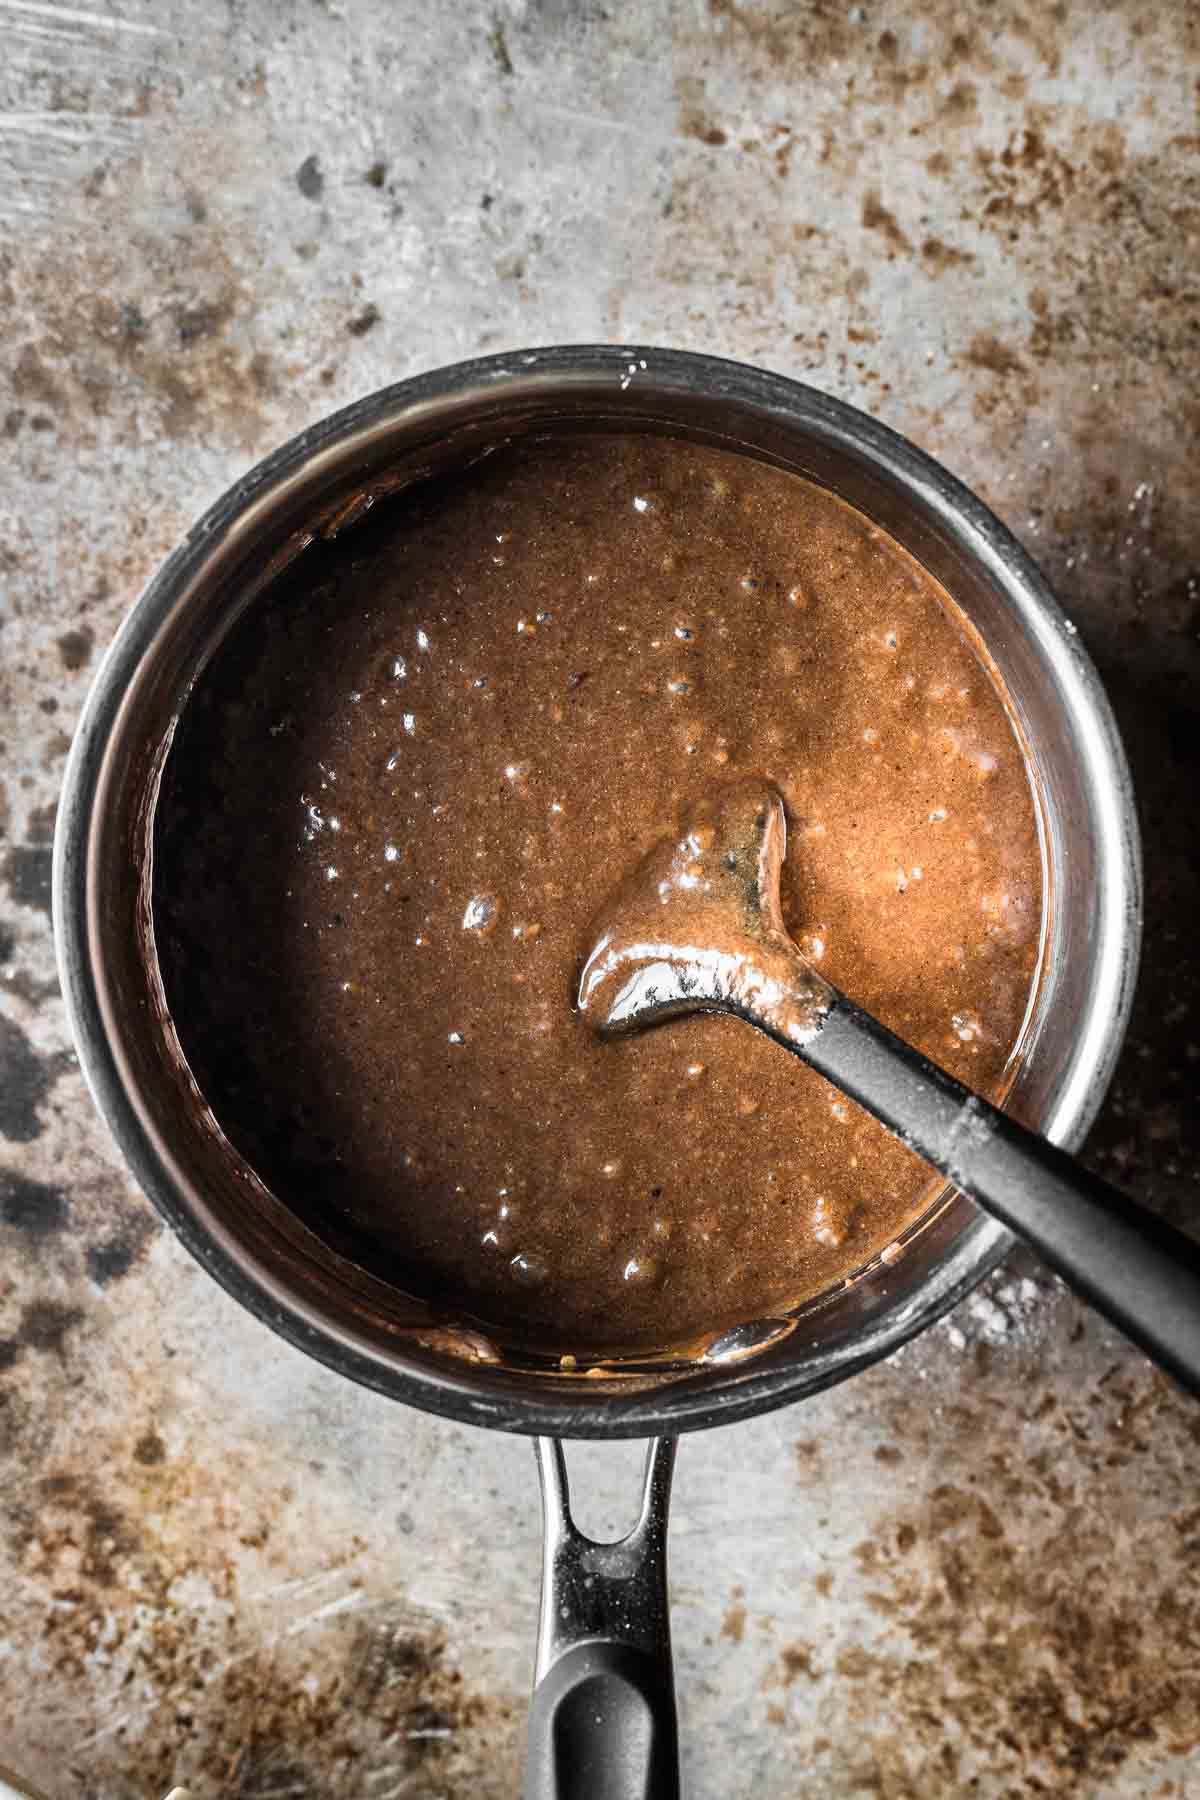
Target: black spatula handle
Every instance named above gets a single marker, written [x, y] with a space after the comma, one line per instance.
[1133, 1267]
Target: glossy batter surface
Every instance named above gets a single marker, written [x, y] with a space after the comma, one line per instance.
[414, 770]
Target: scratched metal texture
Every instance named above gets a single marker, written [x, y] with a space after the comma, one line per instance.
[972, 1570]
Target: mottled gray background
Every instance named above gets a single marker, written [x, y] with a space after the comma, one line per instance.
[972, 1570]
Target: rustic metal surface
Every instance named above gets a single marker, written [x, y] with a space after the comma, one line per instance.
[971, 1570]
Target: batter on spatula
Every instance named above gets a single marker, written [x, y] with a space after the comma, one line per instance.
[419, 764]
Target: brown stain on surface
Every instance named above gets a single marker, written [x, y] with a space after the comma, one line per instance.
[734, 1624]
[25, 1082]
[223, 1695]
[201, 374]
[877, 217]
[961, 104]
[1029, 1633]
[75, 647]
[793, 38]
[26, 872]
[386, 1695]
[153, 321]
[35, 1210]
[987, 352]
[113, 1255]
[42, 1329]
[150, 1450]
[939, 256]
[794, 1660]
[76, 1523]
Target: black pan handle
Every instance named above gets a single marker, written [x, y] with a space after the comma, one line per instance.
[602, 1725]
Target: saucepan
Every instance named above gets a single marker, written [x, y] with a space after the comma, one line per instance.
[603, 1719]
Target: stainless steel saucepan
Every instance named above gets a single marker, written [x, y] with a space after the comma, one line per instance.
[603, 1720]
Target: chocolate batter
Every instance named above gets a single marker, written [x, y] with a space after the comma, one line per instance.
[411, 775]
